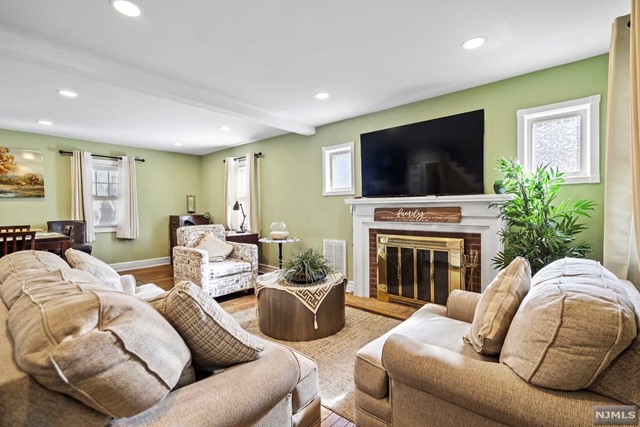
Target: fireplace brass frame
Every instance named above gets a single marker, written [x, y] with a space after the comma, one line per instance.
[453, 246]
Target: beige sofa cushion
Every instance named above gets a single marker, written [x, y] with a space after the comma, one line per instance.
[100, 269]
[569, 328]
[620, 380]
[28, 263]
[498, 304]
[215, 339]
[107, 349]
[11, 289]
[428, 325]
[216, 248]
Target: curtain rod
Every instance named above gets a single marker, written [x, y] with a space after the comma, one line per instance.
[70, 153]
[256, 155]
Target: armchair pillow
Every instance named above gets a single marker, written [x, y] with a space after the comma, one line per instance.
[215, 339]
[216, 248]
[497, 306]
[100, 269]
[569, 328]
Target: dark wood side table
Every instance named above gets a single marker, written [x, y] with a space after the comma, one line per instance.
[177, 221]
[234, 236]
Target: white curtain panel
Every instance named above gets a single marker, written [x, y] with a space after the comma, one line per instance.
[252, 208]
[128, 225]
[230, 193]
[635, 123]
[81, 194]
[619, 194]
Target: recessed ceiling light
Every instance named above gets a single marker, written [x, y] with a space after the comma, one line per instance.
[67, 93]
[45, 122]
[322, 95]
[225, 128]
[126, 8]
[474, 43]
[178, 144]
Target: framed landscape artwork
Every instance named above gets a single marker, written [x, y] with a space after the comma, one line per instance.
[21, 173]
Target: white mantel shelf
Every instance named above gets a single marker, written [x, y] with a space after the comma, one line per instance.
[429, 200]
[477, 216]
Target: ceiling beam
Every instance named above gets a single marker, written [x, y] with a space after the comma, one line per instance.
[134, 78]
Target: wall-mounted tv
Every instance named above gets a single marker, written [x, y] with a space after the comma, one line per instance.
[435, 157]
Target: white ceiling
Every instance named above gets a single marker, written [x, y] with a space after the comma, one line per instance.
[187, 67]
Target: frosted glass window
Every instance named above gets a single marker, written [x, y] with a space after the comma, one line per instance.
[565, 135]
[556, 142]
[338, 170]
[341, 170]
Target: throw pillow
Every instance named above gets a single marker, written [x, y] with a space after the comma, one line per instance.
[100, 269]
[29, 263]
[215, 339]
[570, 328]
[620, 380]
[11, 289]
[216, 248]
[497, 306]
[109, 350]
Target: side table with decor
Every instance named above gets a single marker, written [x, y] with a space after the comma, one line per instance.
[300, 312]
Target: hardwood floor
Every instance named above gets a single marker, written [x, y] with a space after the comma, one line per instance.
[163, 277]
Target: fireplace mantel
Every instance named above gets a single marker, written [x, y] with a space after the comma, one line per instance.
[476, 217]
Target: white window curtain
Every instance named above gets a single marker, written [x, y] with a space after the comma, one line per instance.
[242, 184]
[620, 255]
[230, 193]
[81, 194]
[128, 225]
[252, 192]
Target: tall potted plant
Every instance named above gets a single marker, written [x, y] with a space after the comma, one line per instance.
[537, 229]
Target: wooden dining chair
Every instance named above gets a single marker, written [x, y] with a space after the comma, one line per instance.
[12, 241]
[6, 228]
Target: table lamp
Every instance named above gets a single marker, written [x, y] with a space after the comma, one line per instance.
[238, 207]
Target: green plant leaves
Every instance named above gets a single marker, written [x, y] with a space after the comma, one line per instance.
[309, 266]
[537, 229]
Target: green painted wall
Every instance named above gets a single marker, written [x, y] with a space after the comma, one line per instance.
[291, 175]
[292, 167]
[163, 181]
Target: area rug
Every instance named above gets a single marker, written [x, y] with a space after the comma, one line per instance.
[335, 354]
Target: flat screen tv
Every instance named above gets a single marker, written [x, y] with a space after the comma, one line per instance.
[443, 156]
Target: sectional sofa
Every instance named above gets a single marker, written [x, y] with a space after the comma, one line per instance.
[76, 351]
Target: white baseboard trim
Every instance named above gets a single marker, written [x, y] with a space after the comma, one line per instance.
[142, 263]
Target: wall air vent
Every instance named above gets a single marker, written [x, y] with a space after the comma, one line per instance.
[335, 251]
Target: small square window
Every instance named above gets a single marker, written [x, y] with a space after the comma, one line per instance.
[565, 135]
[338, 170]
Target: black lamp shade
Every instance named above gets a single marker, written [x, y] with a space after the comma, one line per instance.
[236, 206]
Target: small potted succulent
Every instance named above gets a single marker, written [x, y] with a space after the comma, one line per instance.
[308, 266]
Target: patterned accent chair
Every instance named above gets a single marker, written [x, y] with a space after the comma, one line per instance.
[236, 273]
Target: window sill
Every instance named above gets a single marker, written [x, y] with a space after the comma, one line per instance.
[105, 230]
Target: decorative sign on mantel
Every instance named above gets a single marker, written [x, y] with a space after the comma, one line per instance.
[448, 214]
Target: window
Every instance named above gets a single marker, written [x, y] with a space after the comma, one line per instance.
[338, 170]
[240, 194]
[104, 189]
[565, 135]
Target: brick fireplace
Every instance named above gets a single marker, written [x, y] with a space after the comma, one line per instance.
[478, 226]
